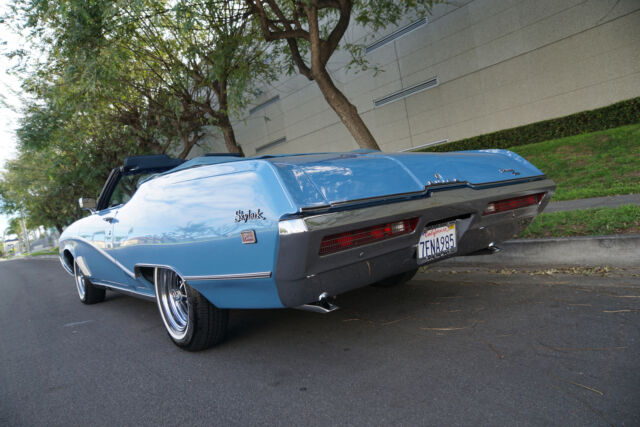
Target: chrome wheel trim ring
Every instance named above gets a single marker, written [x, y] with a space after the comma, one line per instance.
[80, 281]
[173, 302]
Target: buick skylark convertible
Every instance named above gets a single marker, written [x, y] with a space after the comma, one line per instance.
[221, 232]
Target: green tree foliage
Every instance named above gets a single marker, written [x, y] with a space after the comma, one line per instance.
[207, 54]
[313, 30]
[89, 62]
[62, 157]
[109, 79]
[162, 69]
[14, 226]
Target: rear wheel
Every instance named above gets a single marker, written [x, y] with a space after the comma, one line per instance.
[87, 291]
[396, 280]
[192, 322]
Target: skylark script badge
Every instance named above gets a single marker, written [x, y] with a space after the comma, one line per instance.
[250, 215]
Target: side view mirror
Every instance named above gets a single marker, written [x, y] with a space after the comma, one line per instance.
[87, 203]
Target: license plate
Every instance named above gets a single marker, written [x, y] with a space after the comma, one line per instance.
[437, 241]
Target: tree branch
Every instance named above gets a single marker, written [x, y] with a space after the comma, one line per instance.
[338, 31]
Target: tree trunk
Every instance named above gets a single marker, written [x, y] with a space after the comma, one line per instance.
[347, 112]
[230, 137]
[187, 144]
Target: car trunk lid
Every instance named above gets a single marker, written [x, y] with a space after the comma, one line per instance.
[334, 178]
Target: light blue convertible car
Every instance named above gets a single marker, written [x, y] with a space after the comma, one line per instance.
[221, 232]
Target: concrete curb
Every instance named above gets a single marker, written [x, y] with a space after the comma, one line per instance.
[615, 251]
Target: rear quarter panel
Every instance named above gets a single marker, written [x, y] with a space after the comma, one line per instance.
[191, 221]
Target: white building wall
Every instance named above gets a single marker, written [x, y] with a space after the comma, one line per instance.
[499, 64]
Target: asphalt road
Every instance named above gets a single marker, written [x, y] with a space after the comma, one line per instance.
[474, 347]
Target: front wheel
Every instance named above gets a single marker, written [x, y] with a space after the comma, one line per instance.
[87, 291]
[192, 322]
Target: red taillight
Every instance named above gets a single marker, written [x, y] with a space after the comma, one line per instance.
[351, 239]
[512, 203]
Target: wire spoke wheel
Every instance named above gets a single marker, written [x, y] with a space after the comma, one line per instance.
[193, 323]
[87, 291]
[80, 281]
[173, 302]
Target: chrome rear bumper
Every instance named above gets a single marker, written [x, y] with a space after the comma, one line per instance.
[302, 275]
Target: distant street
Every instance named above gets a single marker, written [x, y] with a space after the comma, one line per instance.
[456, 346]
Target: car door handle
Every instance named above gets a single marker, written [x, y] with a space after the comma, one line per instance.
[109, 219]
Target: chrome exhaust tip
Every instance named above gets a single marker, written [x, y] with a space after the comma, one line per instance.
[324, 304]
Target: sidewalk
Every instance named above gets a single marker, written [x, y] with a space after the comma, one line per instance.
[594, 202]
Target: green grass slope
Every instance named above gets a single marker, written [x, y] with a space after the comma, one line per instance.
[590, 165]
[588, 222]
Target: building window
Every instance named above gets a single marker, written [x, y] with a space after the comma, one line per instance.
[429, 144]
[396, 35]
[271, 144]
[264, 105]
[403, 93]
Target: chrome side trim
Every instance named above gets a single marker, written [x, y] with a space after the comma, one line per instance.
[239, 276]
[234, 276]
[64, 265]
[129, 292]
[137, 267]
[106, 255]
[83, 266]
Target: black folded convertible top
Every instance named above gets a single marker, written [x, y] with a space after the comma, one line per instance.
[151, 163]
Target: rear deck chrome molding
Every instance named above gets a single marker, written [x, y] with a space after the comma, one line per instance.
[467, 201]
[428, 189]
[366, 200]
[491, 184]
